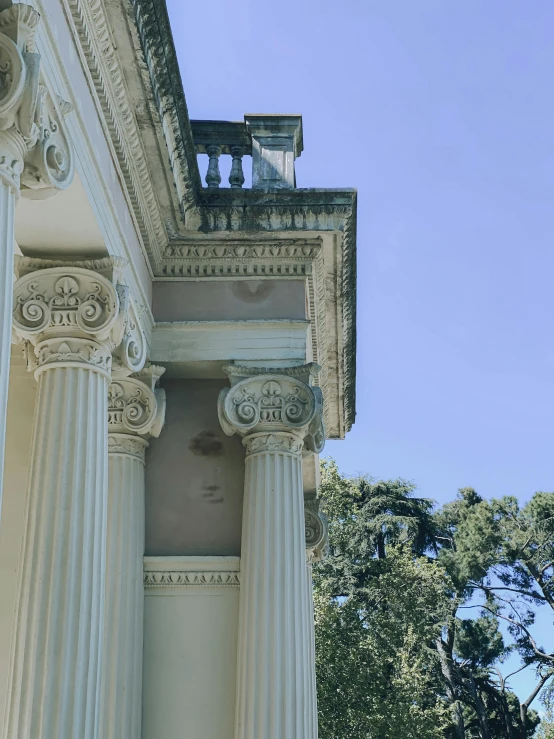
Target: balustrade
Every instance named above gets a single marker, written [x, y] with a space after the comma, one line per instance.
[273, 142]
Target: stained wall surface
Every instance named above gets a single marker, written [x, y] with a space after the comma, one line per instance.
[229, 300]
[194, 477]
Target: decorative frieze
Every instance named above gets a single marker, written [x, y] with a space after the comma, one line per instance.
[183, 579]
[234, 257]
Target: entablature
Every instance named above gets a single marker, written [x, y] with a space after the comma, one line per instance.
[271, 231]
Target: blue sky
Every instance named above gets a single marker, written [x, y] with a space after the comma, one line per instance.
[441, 114]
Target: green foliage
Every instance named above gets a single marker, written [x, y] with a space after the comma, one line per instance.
[546, 729]
[377, 616]
[408, 611]
[478, 642]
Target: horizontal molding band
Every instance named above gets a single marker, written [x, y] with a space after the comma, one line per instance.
[191, 572]
[191, 579]
[197, 341]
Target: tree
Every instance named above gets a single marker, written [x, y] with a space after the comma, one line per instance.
[505, 554]
[546, 730]
[404, 647]
[379, 607]
[478, 550]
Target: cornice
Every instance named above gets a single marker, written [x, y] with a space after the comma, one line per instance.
[107, 80]
[156, 39]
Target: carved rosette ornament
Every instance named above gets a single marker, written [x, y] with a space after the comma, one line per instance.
[35, 155]
[273, 412]
[136, 411]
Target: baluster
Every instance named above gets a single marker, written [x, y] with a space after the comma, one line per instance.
[236, 177]
[213, 177]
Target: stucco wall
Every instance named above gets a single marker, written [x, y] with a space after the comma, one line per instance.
[21, 404]
[194, 477]
[228, 300]
[190, 651]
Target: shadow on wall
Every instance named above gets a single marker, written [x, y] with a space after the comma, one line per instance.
[194, 477]
[229, 301]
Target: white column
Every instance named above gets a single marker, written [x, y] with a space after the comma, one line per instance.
[34, 155]
[7, 205]
[70, 319]
[134, 411]
[276, 414]
[316, 550]
[312, 691]
[272, 701]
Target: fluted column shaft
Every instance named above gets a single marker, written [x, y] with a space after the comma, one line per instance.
[124, 613]
[310, 645]
[7, 206]
[71, 318]
[135, 410]
[278, 413]
[272, 698]
[55, 682]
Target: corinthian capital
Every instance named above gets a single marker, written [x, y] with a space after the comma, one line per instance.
[276, 410]
[136, 411]
[35, 154]
[71, 313]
